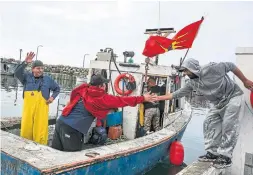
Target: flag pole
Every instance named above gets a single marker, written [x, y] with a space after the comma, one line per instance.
[181, 62]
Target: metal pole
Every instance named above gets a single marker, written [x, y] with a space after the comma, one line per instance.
[84, 59]
[20, 51]
[156, 60]
[182, 60]
[38, 51]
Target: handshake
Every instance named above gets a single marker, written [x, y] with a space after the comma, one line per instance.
[153, 97]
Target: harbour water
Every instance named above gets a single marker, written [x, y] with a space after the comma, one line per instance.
[11, 106]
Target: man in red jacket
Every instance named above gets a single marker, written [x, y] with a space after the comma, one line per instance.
[87, 103]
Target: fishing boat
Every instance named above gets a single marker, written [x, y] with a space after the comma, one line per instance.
[137, 154]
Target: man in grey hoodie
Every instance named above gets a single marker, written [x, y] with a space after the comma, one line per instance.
[221, 124]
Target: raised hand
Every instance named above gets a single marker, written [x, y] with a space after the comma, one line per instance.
[29, 57]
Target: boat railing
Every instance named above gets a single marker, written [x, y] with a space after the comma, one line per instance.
[62, 101]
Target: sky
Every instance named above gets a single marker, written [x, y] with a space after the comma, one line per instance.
[68, 30]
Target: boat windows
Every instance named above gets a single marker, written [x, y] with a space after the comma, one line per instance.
[161, 82]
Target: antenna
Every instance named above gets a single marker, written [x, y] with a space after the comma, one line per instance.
[159, 17]
[159, 31]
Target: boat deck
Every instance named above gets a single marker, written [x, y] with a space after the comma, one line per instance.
[44, 159]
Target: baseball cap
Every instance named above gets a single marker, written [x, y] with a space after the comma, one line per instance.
[98, 79]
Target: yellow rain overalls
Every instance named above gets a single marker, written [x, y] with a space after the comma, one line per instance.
[34, 123]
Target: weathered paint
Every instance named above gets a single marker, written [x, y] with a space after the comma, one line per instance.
[147, 150]
[128, 164]
[14, 166]
[132, 164]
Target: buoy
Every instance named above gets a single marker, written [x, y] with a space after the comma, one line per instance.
[176, 153]
[251, 98]
[130, 87]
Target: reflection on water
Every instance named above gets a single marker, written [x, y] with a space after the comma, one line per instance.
[12, 100]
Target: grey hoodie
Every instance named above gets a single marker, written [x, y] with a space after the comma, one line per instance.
[212, 82]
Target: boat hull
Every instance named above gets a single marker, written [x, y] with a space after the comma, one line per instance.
[138, 162]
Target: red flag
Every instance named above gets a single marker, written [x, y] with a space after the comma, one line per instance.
[185, 37]
[156, 45]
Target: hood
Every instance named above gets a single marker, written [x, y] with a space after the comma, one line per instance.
[192, 65]
[87, 90]
[95, 91]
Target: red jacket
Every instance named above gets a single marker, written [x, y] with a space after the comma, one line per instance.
[98, 102]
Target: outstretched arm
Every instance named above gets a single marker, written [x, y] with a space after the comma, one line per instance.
[111, 101]
[187, 89]
[225, 67]
[168, 96]
[247, 83]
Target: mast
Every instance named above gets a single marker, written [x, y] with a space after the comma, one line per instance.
[159, 32]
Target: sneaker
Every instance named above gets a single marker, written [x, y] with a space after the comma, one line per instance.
[222, 162]
[209, 157]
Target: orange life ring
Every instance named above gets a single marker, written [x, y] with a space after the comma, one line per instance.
[119, 78]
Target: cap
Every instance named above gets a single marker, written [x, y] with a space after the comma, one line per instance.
[98, 79]
[37, 63]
